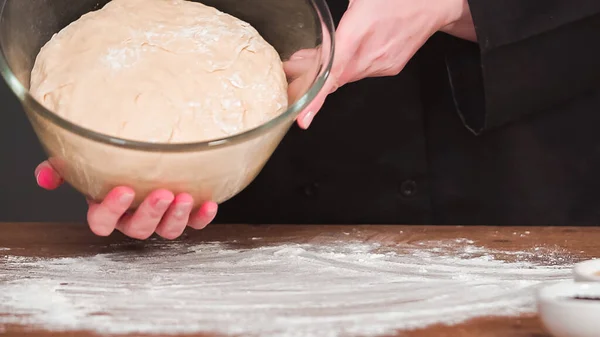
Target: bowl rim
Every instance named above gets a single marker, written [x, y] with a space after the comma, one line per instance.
[553, 293]
[560, 315]
[24, 95]
[587, 269]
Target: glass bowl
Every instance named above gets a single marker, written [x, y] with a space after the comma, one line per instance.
[215, 170]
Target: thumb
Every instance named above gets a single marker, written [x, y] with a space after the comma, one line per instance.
[306, 117]
[345, 49]
[46, 177]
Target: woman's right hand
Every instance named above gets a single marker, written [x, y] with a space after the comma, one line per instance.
[161, 212]
[378, 38]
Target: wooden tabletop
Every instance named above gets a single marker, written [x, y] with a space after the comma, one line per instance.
[55, 240]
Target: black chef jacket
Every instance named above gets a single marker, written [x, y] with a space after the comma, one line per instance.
[505, 131]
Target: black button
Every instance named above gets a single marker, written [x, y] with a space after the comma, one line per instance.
[408, 188]
[311, 189]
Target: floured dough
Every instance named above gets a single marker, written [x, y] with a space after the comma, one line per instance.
[166, 71]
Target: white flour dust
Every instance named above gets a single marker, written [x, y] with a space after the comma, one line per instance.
[345, 289]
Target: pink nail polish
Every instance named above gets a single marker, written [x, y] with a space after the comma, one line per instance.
[182, 209]
[307, 119]
[163, 203]
[126, 198]
[37, 176]
[211, 211]
[44, 179]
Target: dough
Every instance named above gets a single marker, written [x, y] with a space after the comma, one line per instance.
[166, 71]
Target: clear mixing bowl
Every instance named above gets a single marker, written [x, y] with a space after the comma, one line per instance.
[94, 163]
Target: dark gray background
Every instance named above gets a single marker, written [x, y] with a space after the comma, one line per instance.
[20, 153]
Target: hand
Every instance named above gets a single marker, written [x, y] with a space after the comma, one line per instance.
[161, 212]
[377, 38]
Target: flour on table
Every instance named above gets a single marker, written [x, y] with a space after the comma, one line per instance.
[349, 289]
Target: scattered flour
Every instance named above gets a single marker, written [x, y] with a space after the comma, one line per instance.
[344, 289]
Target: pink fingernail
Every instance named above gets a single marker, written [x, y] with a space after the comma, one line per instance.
[126, 198]
[182, 208]
[163, 203]
[308, 118]
[37, 177]
[210, 211]
[44, 178]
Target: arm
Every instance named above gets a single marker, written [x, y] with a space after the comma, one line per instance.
[532, 55]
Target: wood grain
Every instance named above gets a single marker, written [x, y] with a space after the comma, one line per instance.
[75, 240]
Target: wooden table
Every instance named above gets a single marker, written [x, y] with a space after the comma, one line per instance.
[68, 240]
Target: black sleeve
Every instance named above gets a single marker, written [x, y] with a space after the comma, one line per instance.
[530, 56]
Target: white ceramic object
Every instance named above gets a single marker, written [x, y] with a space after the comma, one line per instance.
[587, 271]
[564, 316]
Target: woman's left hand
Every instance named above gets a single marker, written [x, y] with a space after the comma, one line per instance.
[162, 212]
[378, 37]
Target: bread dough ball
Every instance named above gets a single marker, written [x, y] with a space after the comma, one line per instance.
[164, 71]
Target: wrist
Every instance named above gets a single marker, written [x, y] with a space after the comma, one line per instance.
[455, 11]
[458, 21]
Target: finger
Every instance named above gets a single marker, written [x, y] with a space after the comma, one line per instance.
[146, 218]
[307, 115]
[296, 68]
[304, 53]
[103, 217]
[347, 37]
[205, 215]
[176, 218]
[305, 73]
[47, 177]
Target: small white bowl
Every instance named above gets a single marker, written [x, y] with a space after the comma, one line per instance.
[587, 271]
[564, 316]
